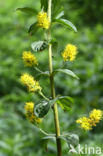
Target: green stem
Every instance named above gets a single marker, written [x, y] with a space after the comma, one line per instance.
[42, 131]
[43, 96]
[55, 109]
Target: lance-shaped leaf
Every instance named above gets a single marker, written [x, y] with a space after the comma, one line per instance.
[55, 4]
[66, 22]
[57, 12]
[46, 73]
[72, 139]
[41, 109]
[33, 29]
[39, 45]
[44, 5]
[60, 15]
[49, 137]
[65, 102]
[27, 10]
[66, 71]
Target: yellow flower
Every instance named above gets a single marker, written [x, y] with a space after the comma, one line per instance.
[29, 59]
[43, 20]
[29, 108]
[29, 81]
[88, 123]
[69, 52]
[95, 116]
[85, 123]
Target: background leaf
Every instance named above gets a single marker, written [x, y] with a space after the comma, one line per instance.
[88, 66]
[27, 10]
[44, 5]
[55, 6]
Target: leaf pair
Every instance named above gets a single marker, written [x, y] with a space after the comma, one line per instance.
[41, 109]
[72, 140]
[65, 71]
[56, 16]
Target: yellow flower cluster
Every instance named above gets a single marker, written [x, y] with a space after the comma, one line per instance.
[94, 117]
[85, 123]
[43, 20]
[29, 59]
[69, 52]
[29, 81]
[29, 108]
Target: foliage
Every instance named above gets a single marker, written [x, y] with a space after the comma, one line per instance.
[87, 91]
[89, 12]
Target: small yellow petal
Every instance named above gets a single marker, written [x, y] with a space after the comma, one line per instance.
[69, 52]
[29, 81]
[94, 117]
[43, 20]
[29, 108]
[29, 59]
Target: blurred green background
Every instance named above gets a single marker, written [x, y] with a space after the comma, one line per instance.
[17, 136]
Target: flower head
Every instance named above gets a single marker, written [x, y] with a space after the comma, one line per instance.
[95, 116]
[29, 108]
[69, 52]
[29, 59]
[88, 123]
[29, 81]
[43, 20]
[85, 123]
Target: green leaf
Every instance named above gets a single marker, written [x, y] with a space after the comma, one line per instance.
[39, 45]
[65, 102]
[55, 2]
[27, 10]
[58, 11]
[41, 109]
[55, 5]
[44, 5]
[62, 137]
[60, 15]
[66, 71]
[49, 137]
[46, 73]
[72, 139]
[33, 29]
[66, 22]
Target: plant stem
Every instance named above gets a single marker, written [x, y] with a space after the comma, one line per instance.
[42, 131]
[41, 93]
[55, 109]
